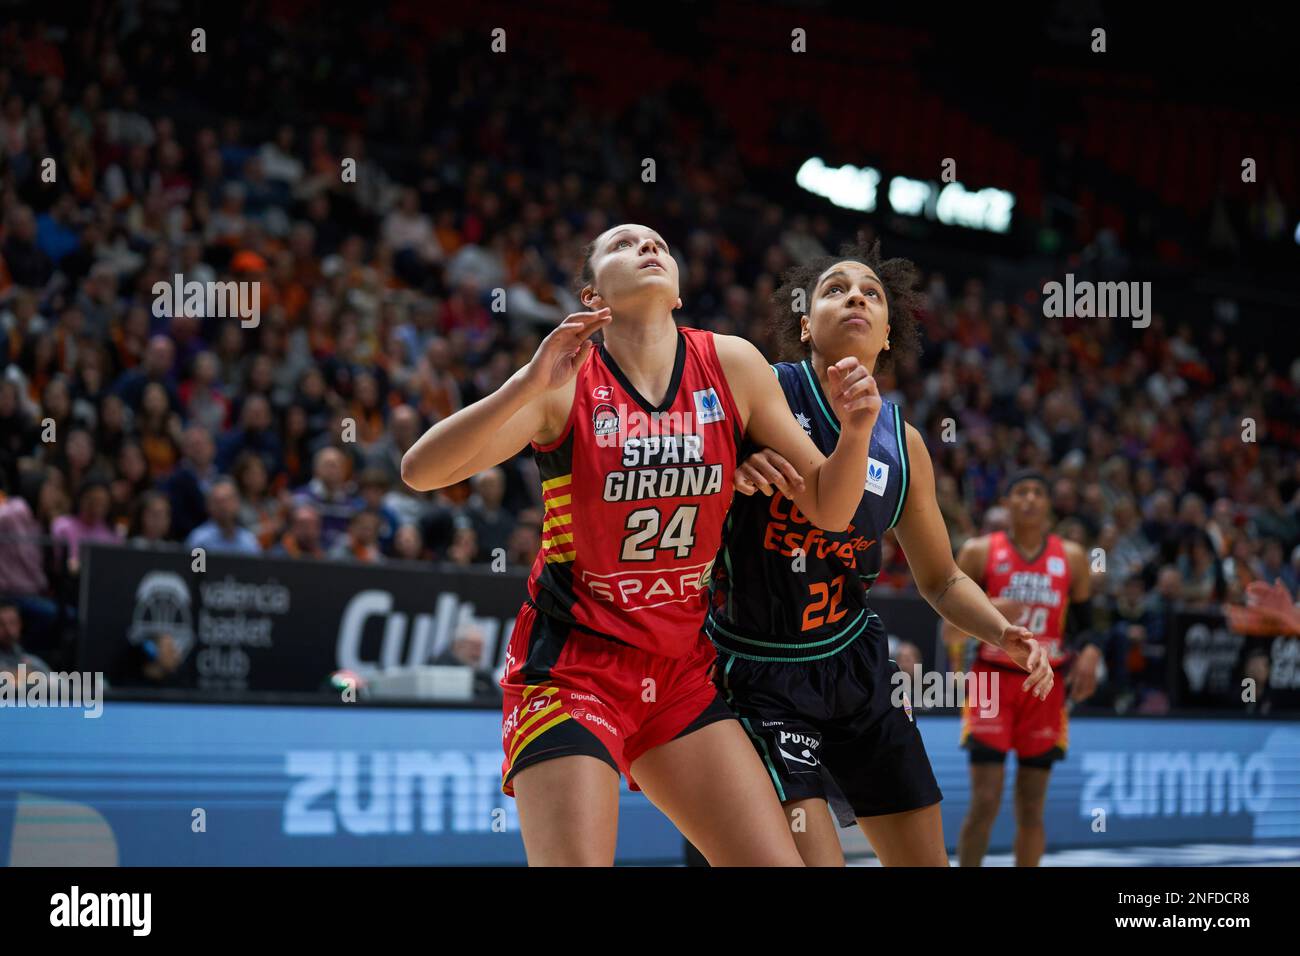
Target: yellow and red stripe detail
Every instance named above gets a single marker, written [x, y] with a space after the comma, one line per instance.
[537, 722]
[557, 526]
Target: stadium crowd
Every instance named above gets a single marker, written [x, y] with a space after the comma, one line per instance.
[390, 298]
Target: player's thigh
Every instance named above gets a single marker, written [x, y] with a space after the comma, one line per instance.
[568, 811]
[815, 832]
[713, 787]
[910, 838]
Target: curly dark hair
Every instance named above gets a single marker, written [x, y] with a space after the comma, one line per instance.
[898, 276]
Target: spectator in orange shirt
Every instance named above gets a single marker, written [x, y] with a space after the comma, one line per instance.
[303, 539]
[286, 288]
[259, 510]
[367, 411]
[160, 431]
[131, 483]
[361, 541]
[439, 388]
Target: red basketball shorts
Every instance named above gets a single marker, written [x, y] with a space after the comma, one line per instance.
[568, 691]
[1010, 718]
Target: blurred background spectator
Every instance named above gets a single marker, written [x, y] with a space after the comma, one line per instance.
[390, 300]
[222, 531]
[12, 653]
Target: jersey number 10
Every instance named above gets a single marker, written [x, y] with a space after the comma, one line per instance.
[1032, 618]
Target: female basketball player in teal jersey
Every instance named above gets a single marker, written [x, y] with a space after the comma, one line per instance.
[607, 669]
[802, 658]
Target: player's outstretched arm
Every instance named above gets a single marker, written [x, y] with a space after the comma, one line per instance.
[832, 487]
[951, 591]
[971, 558]
[498, 426]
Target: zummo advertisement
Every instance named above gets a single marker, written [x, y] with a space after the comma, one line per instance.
[182, 784]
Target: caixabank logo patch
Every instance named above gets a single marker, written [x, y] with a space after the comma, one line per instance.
[708, 407]
[877, 476]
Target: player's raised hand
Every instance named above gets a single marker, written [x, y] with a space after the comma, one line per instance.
[765, 470]
[1021, 647]
[564, 350]
[854, 395]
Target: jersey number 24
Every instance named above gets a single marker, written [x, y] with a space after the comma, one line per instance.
[643, 527]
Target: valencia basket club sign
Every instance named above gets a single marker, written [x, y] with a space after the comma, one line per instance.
[269, 624]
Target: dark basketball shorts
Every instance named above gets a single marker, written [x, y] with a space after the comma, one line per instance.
[570, 692]
[1037, 730]
[833, 728]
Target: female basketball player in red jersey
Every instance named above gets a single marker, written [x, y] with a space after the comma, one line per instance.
[802, 658]
[607, 669]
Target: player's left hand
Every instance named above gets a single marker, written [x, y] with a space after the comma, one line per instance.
[854, 395]
[765, 470]
[1021, 647]
[1082, 679]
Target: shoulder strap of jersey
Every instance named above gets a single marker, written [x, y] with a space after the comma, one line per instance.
[707, 348]
[904, 461]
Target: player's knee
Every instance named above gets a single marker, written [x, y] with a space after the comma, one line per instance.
[929, 856]
[569, 857]
[544, 849]
[984, 805]
[1029, 813]
[986, 793]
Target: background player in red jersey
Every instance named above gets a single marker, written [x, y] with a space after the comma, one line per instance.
[1042, 582]
[618, 593]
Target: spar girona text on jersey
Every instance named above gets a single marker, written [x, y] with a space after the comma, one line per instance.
[1041, 584]
[635, 496]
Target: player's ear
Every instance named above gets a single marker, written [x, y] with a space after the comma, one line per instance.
[805, 333]
[678, 304]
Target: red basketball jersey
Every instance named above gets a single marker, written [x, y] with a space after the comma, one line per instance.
[1041, 584]
[635, 498]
